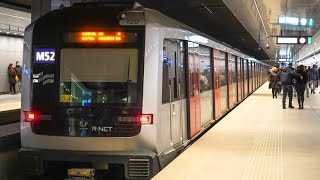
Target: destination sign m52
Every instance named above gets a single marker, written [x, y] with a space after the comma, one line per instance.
[44, 55]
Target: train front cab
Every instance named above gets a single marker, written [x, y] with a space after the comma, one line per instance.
[82, 104]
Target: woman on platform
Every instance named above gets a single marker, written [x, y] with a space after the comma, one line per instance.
[274, 82]
[12, 73]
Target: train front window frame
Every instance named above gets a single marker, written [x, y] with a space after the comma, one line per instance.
[97, 72]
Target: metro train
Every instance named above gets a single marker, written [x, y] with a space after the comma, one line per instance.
[121, 85]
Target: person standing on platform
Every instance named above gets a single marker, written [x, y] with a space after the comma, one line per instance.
[274, 82]
[308, 80]
[286, 79]
[12, 74]
[18, 69]
[301, 85]
[280, 70]
[318, 77]
[314, 77]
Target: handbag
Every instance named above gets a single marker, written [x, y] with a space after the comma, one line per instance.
[16, 78]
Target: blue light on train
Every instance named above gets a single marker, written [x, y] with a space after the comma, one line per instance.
[167, 60]
[26, 71]
[86, 102]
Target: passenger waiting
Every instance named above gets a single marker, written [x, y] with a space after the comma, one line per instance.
[308, 80]
[18, 69]
[274, 82]
[12, 74]
[314, 77]
[286, 79]
[301, 85]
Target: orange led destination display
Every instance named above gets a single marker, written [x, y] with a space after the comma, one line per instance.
[100, 37]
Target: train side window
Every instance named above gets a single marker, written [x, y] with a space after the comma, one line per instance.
[173, 75]
[182, 69]
[205, 69]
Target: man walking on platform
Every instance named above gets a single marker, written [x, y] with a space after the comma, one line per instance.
[286, 79]
[314, 77]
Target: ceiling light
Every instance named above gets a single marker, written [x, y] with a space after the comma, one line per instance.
[292, 20]
[303, 21]
[15, 33]
[22, 34]
[8, 32]
[311, 22]
[288, 20]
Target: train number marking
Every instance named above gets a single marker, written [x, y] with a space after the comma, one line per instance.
[132, 21]
[65, 98]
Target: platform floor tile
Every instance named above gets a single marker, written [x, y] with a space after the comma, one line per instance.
[258, 140]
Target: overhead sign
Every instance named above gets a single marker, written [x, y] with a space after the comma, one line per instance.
[287, 40]
[296, 21]
[44, 55]
[294, 40]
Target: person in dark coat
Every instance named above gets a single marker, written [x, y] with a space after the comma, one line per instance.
[18, 70]
[274, 82]
[301, 85]
[314, 77]
[287, 85]
[12, 73]
[308, 80]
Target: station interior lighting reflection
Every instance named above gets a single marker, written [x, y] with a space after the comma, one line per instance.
[284, 60]
[295, 21]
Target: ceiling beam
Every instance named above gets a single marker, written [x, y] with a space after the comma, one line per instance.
[16, 6]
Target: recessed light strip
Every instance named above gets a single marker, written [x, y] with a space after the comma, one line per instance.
[206, 8]
[264, 26]
[15, 16]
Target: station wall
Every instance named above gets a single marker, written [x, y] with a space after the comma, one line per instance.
[11, 49]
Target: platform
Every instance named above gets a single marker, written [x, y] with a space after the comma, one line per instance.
[10, 102]
[257, 140]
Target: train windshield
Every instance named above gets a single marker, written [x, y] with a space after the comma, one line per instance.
[99, 76]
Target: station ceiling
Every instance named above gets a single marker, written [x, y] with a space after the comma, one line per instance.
[19, 3]
[211, 17]
[247, 13]
[237, 22]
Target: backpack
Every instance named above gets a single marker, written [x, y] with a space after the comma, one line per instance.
[284, 77]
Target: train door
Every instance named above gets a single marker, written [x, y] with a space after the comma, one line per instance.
[238, 67]
[206, 92]
[194, 89]
[257, 76]
[242, 78]
[174, 89]
[234, 79]
[230, 75]
[254, 75]
[217, 90]
[260, 75]
[250, 76]
[245, 77]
